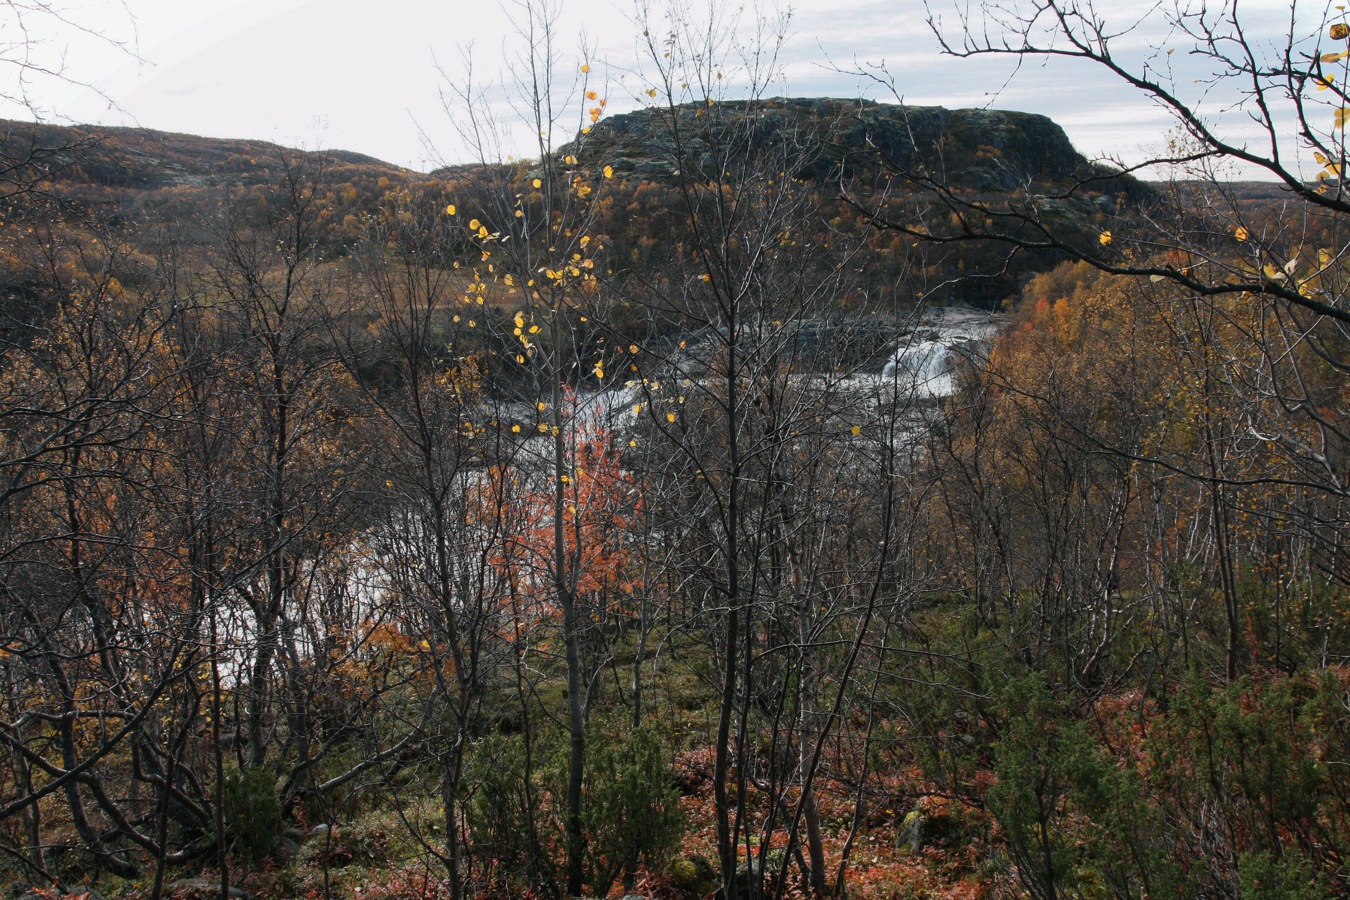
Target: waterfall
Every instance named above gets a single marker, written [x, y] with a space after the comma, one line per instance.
[923, 367]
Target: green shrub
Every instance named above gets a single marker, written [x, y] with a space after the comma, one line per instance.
[252, 812]
[631, 807]
[1076, 821]
[501, 808]
[1266, 876]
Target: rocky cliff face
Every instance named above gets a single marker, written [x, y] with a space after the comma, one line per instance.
[975, 149]
[999, 174]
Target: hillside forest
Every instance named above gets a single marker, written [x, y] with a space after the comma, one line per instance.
[628, 520]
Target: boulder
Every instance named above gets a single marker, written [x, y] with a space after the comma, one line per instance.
[693, 876]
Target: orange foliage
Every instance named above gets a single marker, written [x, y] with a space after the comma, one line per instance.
[599, 502]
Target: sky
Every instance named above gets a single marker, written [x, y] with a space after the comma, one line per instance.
[387, 78]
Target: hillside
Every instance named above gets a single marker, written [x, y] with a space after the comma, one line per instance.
[984, 150]
[849, 152]
[141, 159]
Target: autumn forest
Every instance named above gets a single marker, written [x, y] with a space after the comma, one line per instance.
[738, 496]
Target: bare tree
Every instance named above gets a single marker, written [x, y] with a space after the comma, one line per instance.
[767, 461]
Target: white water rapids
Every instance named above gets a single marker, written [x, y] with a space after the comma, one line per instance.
[918, 372]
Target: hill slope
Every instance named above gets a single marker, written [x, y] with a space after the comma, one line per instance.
[143, 159]
[850, 152]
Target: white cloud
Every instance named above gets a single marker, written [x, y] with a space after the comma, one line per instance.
[361, 76]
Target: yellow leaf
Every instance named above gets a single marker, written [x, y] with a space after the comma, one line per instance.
[450, 210]
[1104, 238]
[542, 405]
[609, 172]
[705, 277]
[1273, 273]
[515, 429]
[1240, 233]
[651, 92]
[633, 349]
[857, 430]
[474, 225]
[1340, 31]
[543, 428]
[1342, 116]
[1324, 83]
[670, 417]
[537, 183]
[585, 68]
[570, 160]
[591, 95]
[1334, 57]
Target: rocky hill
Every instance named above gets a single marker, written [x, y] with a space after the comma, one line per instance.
[980, 149]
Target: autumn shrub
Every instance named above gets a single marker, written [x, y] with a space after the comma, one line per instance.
[359, 844]
[252, 812]
[631, 811]
[412, 883]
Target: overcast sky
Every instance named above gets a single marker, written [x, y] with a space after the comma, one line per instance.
[371, 76]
